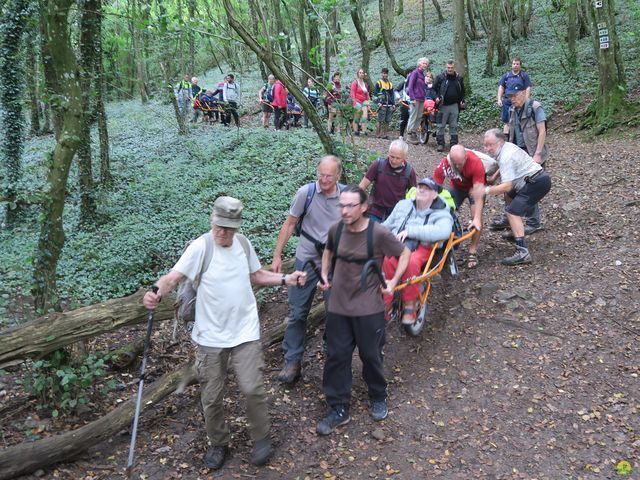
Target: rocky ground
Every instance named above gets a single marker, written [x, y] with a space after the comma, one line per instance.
[522, 373]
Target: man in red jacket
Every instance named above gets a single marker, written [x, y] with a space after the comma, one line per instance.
[464, 169]
[279, 104]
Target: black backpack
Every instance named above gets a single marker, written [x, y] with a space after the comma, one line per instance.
[268, 92]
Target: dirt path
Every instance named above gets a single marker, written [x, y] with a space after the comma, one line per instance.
[526, 372]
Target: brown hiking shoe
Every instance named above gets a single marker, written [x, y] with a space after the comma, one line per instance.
[290, 372]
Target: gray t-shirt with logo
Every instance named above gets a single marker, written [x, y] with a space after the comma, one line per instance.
[323, 211]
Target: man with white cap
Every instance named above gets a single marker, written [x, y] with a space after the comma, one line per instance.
[226, 324]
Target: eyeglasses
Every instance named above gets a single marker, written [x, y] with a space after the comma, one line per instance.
[348, 206]
[325, 176]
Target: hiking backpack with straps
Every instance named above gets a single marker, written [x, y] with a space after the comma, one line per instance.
[185, 305]
[268, 92]
[298, 231]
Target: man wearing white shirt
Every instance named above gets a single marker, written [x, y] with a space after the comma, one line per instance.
[226, 325]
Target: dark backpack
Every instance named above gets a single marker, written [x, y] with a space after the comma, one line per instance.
[298, 231]
[268, 92]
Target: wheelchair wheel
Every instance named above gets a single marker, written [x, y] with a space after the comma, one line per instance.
[421, 318]
[423, 132]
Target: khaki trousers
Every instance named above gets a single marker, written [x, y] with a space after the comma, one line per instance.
[211, 367]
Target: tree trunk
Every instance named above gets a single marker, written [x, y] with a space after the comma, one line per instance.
[436, 5]
[400, 9]
[12, 26]
[266, 54]
[88, 32]
[583, 16]
[138, 54]
[572, 33]
[191, 39]
[386, 24]
[492, 38]
[30, 456]
[612, 88]
[32, 79]
[367, 46]
[62, 76]
[501, 48]
[330, 44]
[51, 332]
[106, 179]
[423, 21]
[473, 30]
[460, 43]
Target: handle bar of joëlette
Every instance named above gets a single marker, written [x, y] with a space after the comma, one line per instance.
[452, 242]
[315, 269]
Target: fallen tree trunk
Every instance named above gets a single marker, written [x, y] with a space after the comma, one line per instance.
[30, 456]
[48, 333]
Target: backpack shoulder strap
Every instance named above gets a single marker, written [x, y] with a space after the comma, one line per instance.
[311, 191]
[380, 161]
[244, 242]
[370, 240]
[407, 173]
[334, 256]
[208, 255]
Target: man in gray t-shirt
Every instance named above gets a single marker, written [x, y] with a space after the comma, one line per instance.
[524, 184]
[317, 205]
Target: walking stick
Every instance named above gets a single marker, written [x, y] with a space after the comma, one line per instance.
[134, 428]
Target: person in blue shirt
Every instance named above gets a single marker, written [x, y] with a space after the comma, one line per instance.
[516, 76]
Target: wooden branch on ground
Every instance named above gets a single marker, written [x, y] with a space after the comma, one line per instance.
[48, 333]
[30, 456]
[27, 457]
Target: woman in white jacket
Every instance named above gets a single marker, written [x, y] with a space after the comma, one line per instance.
[419, 224]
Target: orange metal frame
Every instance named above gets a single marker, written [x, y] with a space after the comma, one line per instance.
[429, 272]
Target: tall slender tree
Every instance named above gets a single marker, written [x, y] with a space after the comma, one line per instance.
[460, 43]
[612, 85]
[63, 84]
[12, 26]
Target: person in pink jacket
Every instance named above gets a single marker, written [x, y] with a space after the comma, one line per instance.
[360, 101]
[279, 104]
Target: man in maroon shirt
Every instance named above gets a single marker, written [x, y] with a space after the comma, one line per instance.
[464, 169]
[392, 177]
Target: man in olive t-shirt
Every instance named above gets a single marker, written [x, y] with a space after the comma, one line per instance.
[355, 316]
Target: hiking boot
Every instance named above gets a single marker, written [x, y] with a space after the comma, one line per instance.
[499, 223]
[214, 459]
[290, 372]
[379, 410]
[261, 451]
[453, 141]
[521, 257]
[336, 417]
[440, 142]
[528, 230]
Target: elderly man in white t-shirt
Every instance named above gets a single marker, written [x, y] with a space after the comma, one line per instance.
[524, 184]
[227, 326]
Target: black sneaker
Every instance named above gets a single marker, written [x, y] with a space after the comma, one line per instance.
[521, 257]
[261, 451]
[379, 410]
[335, 418]
[528, 230]
[214, 459]
[499, 224]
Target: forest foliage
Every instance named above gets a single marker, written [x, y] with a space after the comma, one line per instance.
[164, 183]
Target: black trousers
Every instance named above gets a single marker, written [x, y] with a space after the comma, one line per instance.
[279, 116]
[343, 335]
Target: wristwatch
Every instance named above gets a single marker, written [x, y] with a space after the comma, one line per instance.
[283, 280]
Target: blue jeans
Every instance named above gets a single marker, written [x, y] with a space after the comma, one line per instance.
[300, 300]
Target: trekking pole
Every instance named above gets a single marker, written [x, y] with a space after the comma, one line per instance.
[315, 269]
[134, 428]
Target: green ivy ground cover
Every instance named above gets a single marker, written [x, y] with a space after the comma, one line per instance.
[164, 186]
